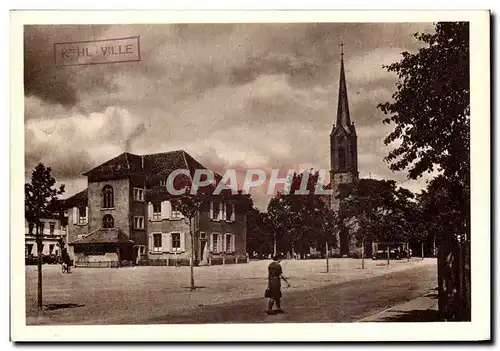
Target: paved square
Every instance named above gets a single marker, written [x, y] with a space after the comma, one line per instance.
[139, 294]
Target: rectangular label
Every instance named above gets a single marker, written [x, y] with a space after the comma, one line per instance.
[97, 51]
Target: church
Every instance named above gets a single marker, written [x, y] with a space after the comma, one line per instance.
[343, 157]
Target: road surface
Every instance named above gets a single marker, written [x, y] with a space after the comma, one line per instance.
[346, 302]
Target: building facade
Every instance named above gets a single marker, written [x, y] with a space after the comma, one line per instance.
[126, 216]
[53, 231]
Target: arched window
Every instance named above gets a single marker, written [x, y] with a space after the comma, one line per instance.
[341, 158]
[108, 221]
[107, 197]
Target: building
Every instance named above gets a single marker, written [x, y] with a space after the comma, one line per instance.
[53, 230]
[126, 216]
[343, 156]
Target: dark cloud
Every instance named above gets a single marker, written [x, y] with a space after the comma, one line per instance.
[43, 79]
[232, 95]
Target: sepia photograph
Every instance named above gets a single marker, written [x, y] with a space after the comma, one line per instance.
[193, 173]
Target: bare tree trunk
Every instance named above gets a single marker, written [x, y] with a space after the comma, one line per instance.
[422, 250]
[191, 263]
[407, 251]
[363, 253]
[39, 249]
[274, 233]
[326, 250]
[388, 254]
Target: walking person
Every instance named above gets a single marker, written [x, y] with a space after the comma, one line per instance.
[273, 291]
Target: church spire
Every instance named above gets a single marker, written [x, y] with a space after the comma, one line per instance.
[343, 117]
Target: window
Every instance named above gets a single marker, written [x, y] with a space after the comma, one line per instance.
[51, 249]
[229, 211]
[29, 249]
[138, 194]
[52, 226]
[228, 246]
[30, 228]
[108, 221]
[176, 213]
[216, 209]
[215, 242]
[157, 211]
[107, 197]
[342, 160]
[163, 182]
[157, 242]
[42, 227]
[139, 222]
[82, 218]
[176, 241]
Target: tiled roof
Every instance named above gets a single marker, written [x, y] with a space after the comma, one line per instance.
[104, 236]
[154, 167]
[151, 164]
[79, 199]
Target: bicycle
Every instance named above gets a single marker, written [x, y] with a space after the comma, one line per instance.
[66, 267]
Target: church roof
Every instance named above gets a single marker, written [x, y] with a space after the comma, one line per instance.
[343, 116]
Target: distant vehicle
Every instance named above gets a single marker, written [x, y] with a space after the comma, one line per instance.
[314, 255]
[394, 254]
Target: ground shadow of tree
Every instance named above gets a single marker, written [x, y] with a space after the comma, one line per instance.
[58, 306]
[428, 315]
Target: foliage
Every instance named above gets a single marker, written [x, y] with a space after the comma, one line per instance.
[259, 234]
[431, 105]
[377, 210]
[301, 221]
[431, 111]
[40, 196]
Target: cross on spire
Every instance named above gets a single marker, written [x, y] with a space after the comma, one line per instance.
[342, 48]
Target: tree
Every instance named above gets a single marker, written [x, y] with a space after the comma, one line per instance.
[259, 234]
[375, 210]
[431, 116]
[40, 199]
[300, 221]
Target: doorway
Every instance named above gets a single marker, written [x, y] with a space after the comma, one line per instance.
[203, 252]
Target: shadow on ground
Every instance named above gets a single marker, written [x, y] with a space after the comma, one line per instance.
[59, 306]
[414, 316]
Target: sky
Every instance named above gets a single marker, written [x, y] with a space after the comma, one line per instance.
[231, 95]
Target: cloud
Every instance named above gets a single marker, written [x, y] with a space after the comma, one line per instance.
[232, 95]
[76, 143]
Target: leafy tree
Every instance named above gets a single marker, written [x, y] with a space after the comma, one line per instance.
[40, 201]
[300, 221]
[259, 234]
[431, 105]
[190, 206]
[431, 116]
[375, 210]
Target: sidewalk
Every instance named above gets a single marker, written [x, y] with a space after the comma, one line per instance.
[420, 309]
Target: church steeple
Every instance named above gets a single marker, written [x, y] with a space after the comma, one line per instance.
[343, 138]
[343, 116]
